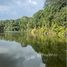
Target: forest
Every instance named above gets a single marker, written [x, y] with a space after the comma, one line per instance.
[51, 21]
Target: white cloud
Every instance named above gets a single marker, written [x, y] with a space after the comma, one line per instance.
[14, 8]
[32, 2]
[35, 3]
[25, 2]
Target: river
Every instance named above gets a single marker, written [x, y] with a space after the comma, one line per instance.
[52, 49]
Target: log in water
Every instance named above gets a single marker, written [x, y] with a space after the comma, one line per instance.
[12, 54]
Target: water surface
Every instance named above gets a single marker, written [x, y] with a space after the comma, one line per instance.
[51, 48]
[12, 54]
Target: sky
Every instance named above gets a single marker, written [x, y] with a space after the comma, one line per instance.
[12, 9]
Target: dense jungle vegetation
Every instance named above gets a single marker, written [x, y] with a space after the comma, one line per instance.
[51, 21]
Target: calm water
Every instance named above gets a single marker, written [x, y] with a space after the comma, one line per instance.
[12, 54]
[52, 48]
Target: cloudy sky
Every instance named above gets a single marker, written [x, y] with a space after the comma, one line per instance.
[11, 9]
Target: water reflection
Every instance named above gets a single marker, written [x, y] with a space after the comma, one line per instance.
[52, 48]
[12, 54]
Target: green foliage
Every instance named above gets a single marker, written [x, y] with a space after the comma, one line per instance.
[45, 31]
[51, 20]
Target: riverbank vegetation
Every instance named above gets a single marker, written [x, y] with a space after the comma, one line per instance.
[45, 31]
[50, 20]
